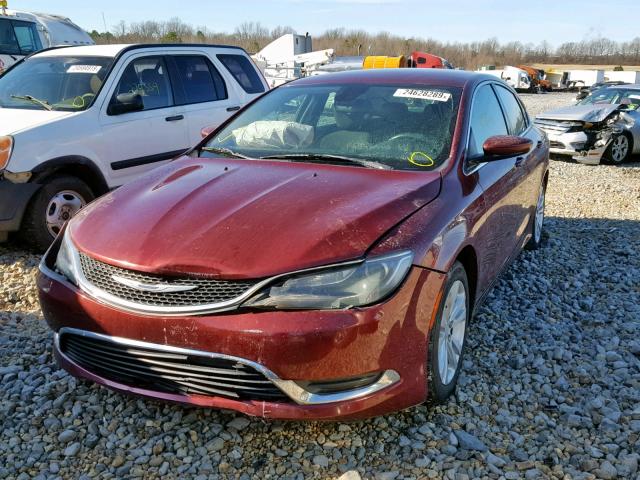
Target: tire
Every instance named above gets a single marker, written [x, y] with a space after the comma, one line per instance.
[618, 151]
[441, 381]
[59, 198]
[537, 222]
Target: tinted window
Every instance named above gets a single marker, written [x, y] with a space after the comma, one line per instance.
[200, 80]
[27, 37]
[486, 120]
[243, 71]
[8, 42]
[515, 118]
[148, 77]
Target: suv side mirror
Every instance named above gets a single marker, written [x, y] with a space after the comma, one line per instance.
[126, 103]
[503, 146]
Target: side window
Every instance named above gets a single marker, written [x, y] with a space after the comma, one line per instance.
[515, 117]
[243, 71]
[148, 77]
[486, 120]
[27, 37]
[200, 80]
[8, 42]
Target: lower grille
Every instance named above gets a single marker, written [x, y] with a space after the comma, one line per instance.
[559, 145]
[169, 372]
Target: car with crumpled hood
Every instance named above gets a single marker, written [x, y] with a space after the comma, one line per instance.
[318, 256]
[603, 127]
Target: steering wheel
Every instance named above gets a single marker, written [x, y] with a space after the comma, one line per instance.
[80, 101]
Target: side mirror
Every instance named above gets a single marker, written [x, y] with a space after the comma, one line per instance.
[206, 131]
[503, 146]
[126, 103]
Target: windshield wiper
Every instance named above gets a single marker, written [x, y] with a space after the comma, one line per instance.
[318, 157]
[43, 103]
[224, 151]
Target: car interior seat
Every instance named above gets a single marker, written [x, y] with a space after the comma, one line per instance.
[156, 94]
[352, 128]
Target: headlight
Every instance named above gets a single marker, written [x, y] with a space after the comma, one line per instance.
[337, 288]
[65, 261]
[6, 147]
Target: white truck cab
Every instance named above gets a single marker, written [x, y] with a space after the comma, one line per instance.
[23, 33]
[76, 122]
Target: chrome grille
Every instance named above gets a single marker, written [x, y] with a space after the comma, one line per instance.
[169, 372]
[207, 291]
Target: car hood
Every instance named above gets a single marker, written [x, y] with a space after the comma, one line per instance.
[232, 218]
[14, 120]
[583, 113]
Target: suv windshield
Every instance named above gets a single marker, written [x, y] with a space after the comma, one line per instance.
[613, 95]
[402, 127]
[18, 37]
[54, 83]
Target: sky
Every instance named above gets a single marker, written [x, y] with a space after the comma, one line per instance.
[556, 21]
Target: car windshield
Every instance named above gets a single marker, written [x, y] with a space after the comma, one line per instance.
[54, 83]
[613, 95]
[403, 127]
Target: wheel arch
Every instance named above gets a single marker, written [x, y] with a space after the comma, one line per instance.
[76, 166]
[469, 260]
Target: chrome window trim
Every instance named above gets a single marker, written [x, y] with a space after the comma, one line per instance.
[530, 124]
[289, 387]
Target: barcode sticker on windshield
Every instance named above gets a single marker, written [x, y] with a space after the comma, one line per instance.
[435, 95]
[84, 69]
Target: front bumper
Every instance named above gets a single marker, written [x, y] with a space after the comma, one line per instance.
[575, 145]
[14, 198]
[291, 348]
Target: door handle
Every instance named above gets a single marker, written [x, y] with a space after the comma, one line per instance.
[539, 144]
[233, 109]
[174, 118]
[519, 161]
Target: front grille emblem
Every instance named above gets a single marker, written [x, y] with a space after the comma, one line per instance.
[152, 287]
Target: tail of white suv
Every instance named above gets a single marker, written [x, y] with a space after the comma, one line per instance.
[76, 122]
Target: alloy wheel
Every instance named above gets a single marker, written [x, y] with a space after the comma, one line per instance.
[619, 148]
[452, 332]
[62, 206]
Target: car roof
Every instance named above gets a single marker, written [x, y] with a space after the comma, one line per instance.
[420, 76]
[117, 49]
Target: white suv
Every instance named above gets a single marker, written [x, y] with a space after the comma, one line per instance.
[76, 122]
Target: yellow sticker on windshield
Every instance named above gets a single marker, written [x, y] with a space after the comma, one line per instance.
[421, 159]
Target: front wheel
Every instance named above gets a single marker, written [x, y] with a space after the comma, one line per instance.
[447, 337]
[59, 199]
[618, 150]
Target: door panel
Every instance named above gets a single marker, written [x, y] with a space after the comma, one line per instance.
[133, 143]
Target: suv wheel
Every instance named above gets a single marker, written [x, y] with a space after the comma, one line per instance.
[447, 337]
[59, 199]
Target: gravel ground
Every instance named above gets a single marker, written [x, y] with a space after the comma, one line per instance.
[550, 388]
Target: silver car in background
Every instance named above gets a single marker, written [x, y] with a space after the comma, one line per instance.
[603, 127]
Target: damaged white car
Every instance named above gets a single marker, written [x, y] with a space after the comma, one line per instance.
[603, 127]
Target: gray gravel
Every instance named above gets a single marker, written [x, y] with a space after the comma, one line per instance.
[550, 388]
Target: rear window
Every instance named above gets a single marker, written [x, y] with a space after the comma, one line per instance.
[243, 71]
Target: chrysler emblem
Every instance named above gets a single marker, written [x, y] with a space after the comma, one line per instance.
[152, 287]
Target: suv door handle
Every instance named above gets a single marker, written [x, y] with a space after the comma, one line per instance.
[174, 118]
[233, 109]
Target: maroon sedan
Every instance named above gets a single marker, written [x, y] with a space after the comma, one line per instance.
[320, 255]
